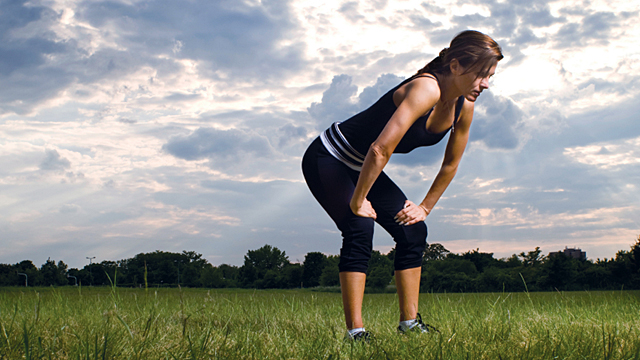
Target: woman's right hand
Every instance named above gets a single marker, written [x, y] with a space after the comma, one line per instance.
[365, 209]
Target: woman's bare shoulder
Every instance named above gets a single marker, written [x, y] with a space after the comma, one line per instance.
[424, 86]
[423, 81]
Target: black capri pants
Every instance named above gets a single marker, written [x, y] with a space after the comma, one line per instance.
[332, 184]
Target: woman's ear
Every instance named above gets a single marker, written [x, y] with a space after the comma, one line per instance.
[455, 67]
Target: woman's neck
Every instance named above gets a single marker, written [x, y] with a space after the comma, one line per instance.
[448, 90]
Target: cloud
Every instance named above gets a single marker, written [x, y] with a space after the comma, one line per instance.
[26, 45]
[45, 50]
[291, 133]
[19, 52]
[287, 132]
[221, 146]
[518, 25]
[54, 162]
[587, 127]
[432, 8]
[422, 156]
[178, 97]
[336, 104]
[539, 15]
[350, 11]
[371, 94]
[593, 27]
[607, 156]
[69, 209]
[496, 121]
[236, 38]
[532, 219]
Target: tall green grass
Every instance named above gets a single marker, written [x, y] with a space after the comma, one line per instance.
[118, 323]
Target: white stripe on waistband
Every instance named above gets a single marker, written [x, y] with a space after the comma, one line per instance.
[353, 162]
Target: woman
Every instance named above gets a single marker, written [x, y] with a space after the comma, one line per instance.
[354, 190]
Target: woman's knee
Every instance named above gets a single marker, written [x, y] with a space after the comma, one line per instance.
[410, 246]
[357, 244]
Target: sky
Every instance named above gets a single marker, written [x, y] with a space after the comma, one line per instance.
[131, 126]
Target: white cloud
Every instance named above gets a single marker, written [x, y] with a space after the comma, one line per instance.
[54, 162]
[69, 209]
[607, 156]
[547, 77]
[533, 219]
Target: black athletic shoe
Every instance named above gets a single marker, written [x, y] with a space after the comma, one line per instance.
[419, 327]
[362, 336]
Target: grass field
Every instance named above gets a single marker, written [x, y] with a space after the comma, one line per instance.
[107, 323]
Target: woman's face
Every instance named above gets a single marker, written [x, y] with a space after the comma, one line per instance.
[472, 84]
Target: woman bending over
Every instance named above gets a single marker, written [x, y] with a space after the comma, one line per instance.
[343, 167]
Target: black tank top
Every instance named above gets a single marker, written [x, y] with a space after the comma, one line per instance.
[362, 129]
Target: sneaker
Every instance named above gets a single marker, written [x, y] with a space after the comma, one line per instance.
[362, 336]
[418, 327]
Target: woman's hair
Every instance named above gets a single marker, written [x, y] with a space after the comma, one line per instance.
[474, 50]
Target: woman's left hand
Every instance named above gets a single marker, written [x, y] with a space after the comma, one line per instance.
[411, 214]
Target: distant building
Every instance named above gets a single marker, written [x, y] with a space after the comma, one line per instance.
[575, 253]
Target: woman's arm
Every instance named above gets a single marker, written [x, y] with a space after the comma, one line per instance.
[452, 156]
[420, 95]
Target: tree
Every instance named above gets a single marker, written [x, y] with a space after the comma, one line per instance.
[453, 273]
[230, 275]
[190, 265]
[8, 275]
[635, 256]
[623, 269]
[392, 254]
[434, 252]
[499, 279]
[80, 277]
[635, 265]
[560, 272]
[109, 274]
[594, 277]
[266, 258]
[292, 275]
[331, 273]
[258, 262]
[479, 259]
[167, 268]
[212, 277]
[532, 258]
[27, 267]
[380, 270]
[513, 261]
[52, 274]
[379, 278]
[313, 265]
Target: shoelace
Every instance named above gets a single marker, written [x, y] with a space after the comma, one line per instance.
[425, 326]
[364, 336]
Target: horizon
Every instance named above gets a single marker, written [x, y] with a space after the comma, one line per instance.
[302, 261]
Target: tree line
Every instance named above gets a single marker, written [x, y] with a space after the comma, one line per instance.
[269, 268]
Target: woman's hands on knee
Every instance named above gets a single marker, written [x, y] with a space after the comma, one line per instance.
[411, 213]
[364, 210]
